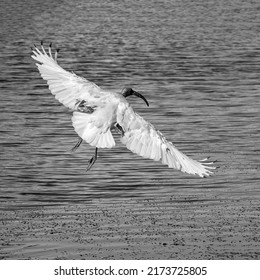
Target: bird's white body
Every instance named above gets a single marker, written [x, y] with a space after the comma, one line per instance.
[102, 110]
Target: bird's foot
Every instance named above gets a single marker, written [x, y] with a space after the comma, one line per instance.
[77, 145]
[92, 161]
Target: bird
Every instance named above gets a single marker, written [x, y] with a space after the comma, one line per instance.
[97, 112]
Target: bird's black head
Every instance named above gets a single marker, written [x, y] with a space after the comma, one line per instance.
[129, 91]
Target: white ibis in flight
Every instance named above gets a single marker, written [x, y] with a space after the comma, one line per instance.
[96, 112]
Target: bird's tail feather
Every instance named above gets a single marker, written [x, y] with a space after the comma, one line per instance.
[88, 131]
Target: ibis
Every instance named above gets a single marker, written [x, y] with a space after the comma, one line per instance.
[96, 112]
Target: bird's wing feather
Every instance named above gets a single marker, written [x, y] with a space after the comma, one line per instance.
[67, 87]
[143, 139]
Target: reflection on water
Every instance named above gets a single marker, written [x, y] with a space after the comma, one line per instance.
[196, 62]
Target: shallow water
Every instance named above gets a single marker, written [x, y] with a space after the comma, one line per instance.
[197, 63]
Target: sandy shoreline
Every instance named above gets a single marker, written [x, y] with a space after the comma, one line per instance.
[133, 229]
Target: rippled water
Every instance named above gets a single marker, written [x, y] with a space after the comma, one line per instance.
[196, 62]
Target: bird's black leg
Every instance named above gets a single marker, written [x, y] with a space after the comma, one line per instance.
[77, 145]
[119, 129]
[92, 160]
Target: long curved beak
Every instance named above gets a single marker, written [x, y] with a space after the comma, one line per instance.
[141, 96]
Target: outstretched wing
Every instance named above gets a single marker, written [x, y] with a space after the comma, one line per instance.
[141, 138]
[67, 87]
[93, 108]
